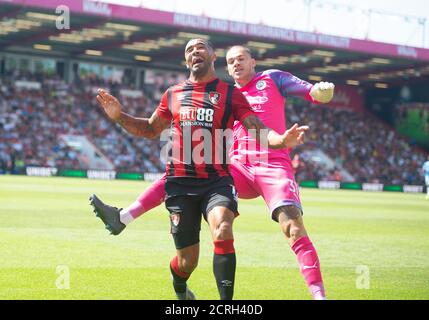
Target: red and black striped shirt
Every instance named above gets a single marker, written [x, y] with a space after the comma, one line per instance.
[202, 114]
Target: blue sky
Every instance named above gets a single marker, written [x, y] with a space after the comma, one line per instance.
[378, 20]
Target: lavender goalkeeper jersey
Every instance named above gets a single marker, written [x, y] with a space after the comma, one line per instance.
[266, 94]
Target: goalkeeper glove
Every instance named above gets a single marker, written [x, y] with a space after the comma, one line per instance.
[322, 91]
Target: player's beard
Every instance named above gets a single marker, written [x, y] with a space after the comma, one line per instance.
[201, 71]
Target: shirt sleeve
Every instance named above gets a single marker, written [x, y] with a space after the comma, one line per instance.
[240, 106]
[163, 109]
[289, 85]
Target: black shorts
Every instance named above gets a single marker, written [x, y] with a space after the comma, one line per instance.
[190, 198]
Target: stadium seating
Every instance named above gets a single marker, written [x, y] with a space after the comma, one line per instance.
[360, 143]
[31, 120]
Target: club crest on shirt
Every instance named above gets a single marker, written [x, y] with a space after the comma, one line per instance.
[175, 219]
[261, 85]
[214, 97]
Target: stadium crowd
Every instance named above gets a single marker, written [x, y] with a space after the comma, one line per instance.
[32, 121]
[359, 143]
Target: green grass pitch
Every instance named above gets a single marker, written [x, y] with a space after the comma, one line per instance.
[371, 245]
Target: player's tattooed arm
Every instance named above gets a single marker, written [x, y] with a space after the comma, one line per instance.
[268, 137]
[256, 128]
[142, 127]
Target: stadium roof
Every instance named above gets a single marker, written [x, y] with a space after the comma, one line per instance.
[150, 38]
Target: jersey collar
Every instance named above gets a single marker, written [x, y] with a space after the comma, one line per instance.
[251, 82]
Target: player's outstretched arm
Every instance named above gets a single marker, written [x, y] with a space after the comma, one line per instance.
[141, 127]
[322, 92]
[266, 136]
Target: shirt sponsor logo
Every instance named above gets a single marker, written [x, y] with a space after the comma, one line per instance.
[261, 85]
[188, 114]
[257, 99]
[192, 116]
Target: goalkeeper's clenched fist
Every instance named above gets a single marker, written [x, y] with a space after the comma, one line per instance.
[322, 91]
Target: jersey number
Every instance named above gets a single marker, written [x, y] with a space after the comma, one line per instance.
[205, 115]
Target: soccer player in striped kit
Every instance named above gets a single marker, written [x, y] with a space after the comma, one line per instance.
[198, 184]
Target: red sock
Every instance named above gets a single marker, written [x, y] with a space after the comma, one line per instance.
[174, 264]
[224, 246]
[179, 277]
[309, 265]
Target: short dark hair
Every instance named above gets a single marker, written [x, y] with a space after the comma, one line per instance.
[207, 43]
[246, 49]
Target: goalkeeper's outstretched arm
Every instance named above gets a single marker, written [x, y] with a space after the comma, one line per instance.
[142, 127]
[290, 85]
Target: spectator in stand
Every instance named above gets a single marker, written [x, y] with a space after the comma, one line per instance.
[29, 126]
